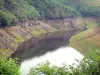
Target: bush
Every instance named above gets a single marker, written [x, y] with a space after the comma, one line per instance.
[53, 9]
[88, 66]
[13, 11]
[7, 18]
[86, 10]
[27, 11]
[9, 67]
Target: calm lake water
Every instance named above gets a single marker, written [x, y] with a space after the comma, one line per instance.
[58, 57]
[53, 48]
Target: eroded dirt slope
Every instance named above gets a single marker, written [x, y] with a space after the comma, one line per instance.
[12, 37]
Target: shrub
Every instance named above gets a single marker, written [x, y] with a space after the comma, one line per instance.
[88, 66]
[7, 18]
[27, 11]
[53, 9]
[13, 11]
[86, 10]
[9, 67]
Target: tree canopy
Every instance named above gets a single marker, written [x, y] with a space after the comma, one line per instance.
[13, 11]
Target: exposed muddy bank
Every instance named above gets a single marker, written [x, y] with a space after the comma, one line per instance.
[12, 37]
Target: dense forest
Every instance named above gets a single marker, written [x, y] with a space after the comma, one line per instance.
[14, 11]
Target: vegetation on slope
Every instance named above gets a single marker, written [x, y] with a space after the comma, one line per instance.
[53, 9]
[86, 67]
[86, 2]
[89, 66]
[9, 67]
[91, 2]
[86, 8]
[86, 40]
[13, 11]
[88, 11]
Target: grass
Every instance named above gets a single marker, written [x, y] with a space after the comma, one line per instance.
[91, 24]
[19, 38]
[85, 47]
[4, 52]
[80, 35]
[85, 40]
[13, 44]
[53, 29]
[39, 32]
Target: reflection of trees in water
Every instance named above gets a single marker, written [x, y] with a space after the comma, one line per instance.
[32, 48]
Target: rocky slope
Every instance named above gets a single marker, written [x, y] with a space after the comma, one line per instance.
[12, 37]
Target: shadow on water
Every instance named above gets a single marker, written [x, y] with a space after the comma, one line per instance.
[40, 46]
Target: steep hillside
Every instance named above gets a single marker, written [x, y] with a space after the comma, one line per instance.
[13, 11]
[12, 37]
[91, 2]
[87, 2]
[87, 8]
[53, 9]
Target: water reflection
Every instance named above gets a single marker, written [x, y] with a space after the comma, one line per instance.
[37, 47]
[58, 57]
[52, 47]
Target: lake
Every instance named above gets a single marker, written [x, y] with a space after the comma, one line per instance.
[53, 48]
[62, 55]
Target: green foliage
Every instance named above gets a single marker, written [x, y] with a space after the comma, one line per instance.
[2, 3]
[9, 67]
[99, 24]
[89, 11]
[13, 11]
[39, 32]
[53, 29]
[4, 52]
[52, 9]
[7, 18]
[27, 11]
[19, 38]
[86, 7]
[88, 66]
[92, 24]
[47, 69]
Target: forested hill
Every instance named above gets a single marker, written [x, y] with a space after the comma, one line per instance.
[14, 11]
